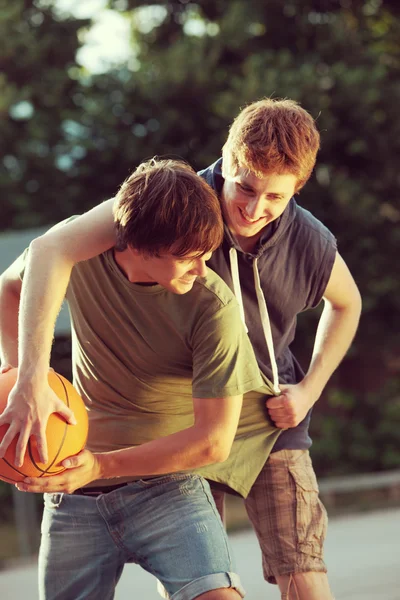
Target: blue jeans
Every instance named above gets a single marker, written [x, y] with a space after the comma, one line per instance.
[168, 525]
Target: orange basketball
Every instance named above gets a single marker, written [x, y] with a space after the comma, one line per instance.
[63, 440]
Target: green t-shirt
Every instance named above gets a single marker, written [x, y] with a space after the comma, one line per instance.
[140, 353]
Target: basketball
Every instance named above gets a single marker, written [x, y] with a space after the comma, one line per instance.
[63, 439]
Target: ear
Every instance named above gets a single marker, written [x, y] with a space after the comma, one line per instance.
[133, 251]
[227, 168]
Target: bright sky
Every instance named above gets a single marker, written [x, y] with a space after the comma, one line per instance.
[107, 42]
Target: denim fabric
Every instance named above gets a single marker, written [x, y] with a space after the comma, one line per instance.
[169, 525]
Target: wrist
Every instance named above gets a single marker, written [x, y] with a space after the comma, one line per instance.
[311, 389]
[9, 363]
[104, 465]
[33, 376]
[9, 358]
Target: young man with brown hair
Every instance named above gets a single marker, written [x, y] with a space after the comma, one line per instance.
[162, 359]
[279, 260]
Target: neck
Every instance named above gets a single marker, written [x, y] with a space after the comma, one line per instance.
[132, 266]
[247, 244]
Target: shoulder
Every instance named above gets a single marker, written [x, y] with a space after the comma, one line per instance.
[213, 175]
[308, 225]
[214, 290]
[314, 248]
[99, 268]
[307, 237]
[209, 313]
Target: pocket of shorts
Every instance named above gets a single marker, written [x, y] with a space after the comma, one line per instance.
[52, 500]
[311, 517]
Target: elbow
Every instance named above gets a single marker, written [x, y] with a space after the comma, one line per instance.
[10, 288]
[41, 248]
[50, 245]
[217, 451]
[41, 244]
[358, 302]
[356, 305]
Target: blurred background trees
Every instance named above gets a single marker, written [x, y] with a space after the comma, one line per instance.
[70, 135]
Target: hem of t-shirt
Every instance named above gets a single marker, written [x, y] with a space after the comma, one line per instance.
[248, 386]
[233, 484]
[277, 447]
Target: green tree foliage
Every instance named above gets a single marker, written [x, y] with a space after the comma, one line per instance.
[193, 65]
[37, 90]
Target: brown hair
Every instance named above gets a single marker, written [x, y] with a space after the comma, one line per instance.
[272, 136]
[165, 206]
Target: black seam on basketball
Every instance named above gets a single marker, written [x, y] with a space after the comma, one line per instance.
[8, 480]
[14, 468]
[44, 471]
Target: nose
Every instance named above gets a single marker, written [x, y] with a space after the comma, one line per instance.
[255, 208]
[200, 267]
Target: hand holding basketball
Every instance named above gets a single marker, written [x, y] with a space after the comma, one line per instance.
[26, 412]
[28, 419]
[80, 470]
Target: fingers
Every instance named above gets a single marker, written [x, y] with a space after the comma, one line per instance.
[7, 439]
[40, 485]
[40, 432]
[282, 423]
[66, 413]
[15, 429]
[41, 443]
[276, 402]
[281, 418]
[66, 482]
[4, 368]
[282, 412]
[23, 439]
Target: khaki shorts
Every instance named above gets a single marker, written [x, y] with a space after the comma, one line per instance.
[287, 515]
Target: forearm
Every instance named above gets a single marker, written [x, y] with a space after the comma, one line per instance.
[336, 330]
[46, 279]
[184, 450]
[9, 302]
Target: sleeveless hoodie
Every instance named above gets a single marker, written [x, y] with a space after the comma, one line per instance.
[285, 275]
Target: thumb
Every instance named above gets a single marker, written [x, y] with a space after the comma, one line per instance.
[6, 367]
[284, 388]
[73, 461]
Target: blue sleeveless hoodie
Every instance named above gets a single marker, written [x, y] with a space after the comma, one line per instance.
[285, 275]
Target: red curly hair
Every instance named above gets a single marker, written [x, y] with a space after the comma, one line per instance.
[272, 136]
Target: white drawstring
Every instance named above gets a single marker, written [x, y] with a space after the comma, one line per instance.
[286, 595]
[236, 283]
[262, 307]
[266, 324]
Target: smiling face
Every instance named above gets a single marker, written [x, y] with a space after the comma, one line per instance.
[249, 203]
[176, 274]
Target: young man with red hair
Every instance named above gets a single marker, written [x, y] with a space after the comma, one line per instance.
[280, 261]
